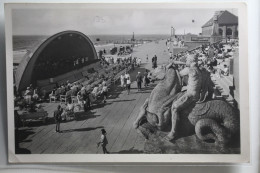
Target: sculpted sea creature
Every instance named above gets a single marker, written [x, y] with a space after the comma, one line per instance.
[213, 119]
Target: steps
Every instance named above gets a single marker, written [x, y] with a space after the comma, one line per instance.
[223, 85]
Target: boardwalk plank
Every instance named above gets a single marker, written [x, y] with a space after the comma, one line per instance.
[124, 133]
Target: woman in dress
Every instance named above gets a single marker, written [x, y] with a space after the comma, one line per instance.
[104, 92]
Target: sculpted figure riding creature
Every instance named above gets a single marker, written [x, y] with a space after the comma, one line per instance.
[169, 102]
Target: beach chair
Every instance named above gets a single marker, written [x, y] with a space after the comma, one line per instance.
[64, 98]
[53, 97]
[62, 90]
[74, 99]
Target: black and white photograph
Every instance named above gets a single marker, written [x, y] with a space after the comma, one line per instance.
[127, 81]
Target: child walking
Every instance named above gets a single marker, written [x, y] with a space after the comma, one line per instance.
[103, 141]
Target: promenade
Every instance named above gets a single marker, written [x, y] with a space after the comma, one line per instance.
[80, 136]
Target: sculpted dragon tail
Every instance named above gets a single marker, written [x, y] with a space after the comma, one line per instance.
[209, 129]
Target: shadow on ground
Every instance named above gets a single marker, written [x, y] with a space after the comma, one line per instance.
[82, 129]
[21, 136]
[130, 151]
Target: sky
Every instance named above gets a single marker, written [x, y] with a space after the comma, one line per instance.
[112, 21]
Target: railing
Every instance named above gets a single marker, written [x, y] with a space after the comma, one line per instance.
[198, 47]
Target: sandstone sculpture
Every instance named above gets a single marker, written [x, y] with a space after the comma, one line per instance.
[213, 119]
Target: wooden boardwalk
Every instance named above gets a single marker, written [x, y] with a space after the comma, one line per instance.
[116, 116]
[81, 135]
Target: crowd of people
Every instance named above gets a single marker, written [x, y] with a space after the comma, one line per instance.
[122, 51]
[211, 57]
[141, 79]
[175, 42]
[83, 94]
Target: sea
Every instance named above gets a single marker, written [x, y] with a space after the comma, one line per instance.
[23, 42]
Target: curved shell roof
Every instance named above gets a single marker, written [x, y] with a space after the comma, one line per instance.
[65, 46]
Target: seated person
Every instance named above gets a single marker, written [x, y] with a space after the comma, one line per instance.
[74, 90]
[88, 88]
[28, 95]
[80, 98]
[35, 94]
[104, 82]
[70, 106]
[69, 110]
[100, 87]
[225, 70]
[95, 91]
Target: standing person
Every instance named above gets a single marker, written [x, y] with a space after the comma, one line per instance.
[153, 63]
[133, 65]
[57, 117]
[104, 91]
[147, 58]
[146, 80]
[139, 62]
[139, 81]
[103, 141]
[128, 85]
[127, 75]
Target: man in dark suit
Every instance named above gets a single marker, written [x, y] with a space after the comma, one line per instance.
[139, 81]
[57, 117]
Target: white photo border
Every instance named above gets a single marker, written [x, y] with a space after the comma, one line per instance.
[243, 157]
